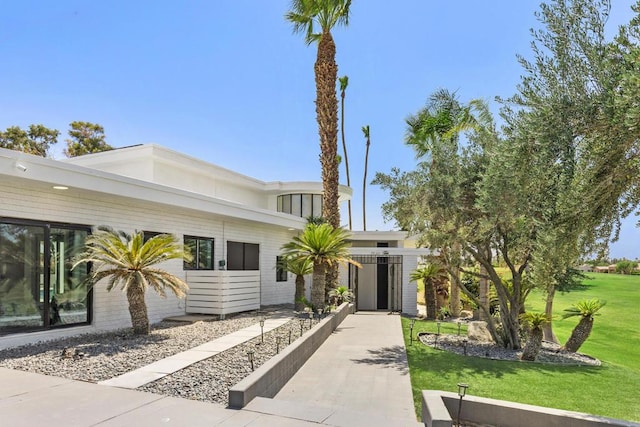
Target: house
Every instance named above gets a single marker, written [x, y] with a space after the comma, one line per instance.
[235, 224]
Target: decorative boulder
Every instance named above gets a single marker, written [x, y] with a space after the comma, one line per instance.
[466, 314]
[477, 331]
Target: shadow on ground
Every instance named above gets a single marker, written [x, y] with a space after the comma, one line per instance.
[392, 357]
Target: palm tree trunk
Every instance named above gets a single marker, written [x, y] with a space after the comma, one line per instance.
[326, 72]
[317, 288]
[138, 310]
[346, 159]
[430, 297]
[364, 186]
[579, 334]
[547, 329]
[533, 345]
[299, 305]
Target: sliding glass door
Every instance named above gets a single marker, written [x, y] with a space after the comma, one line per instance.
[38, 288]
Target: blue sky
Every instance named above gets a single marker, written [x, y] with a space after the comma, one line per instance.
[228, 82]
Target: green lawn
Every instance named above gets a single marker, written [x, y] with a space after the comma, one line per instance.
[611, 390]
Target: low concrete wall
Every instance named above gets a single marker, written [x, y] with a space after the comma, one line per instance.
[502, 413]
[269, 378]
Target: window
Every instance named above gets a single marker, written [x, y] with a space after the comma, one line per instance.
[302, 205]
[281, 273]
[38, 288]
[202, 252]
[243, 256]
[146, 235]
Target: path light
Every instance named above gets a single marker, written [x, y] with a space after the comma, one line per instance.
[262, 329]
[310, 318]
[438, 323]
[319, 314]
[250, 357]
[289, 336]
[278, 344]
[464, 345]
[462, 390]
[459, 324]
[301, 326]
[413, 322]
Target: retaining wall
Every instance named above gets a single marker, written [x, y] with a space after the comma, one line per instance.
[268, 379]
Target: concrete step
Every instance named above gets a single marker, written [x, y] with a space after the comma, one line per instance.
[337, 417]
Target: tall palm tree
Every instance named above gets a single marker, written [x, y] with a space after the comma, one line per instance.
[324, 246]
[344, 82]
[365, 131]
[128, 261]
[534, 321]
[587, 310]
[316, 19]
[432, 276]
[300, 266]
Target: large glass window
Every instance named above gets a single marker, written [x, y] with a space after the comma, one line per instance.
[38, 288]
[202, 252]
[302, 205]
[243, 256]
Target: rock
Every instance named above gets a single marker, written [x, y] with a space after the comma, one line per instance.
[466, 314]
[477, 331]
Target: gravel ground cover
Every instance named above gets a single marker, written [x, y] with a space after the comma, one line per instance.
[98, 357]
[550, 352]
[210, 379]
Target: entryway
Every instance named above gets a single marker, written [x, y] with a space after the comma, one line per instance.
[378, 284]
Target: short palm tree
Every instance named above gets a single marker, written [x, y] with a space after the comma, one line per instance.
[316, 19]
[432, 276]
[300, 266]
[586, 309]
[128, 261]
[534, 321]
[341, 294]
[324, 246]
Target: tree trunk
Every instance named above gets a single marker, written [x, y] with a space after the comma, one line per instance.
[317, 288]
[547, 329]
[430, 299]
[346, 158]
[483, 290]
[579, 334]
[331, 279]
[533, 345]
[454, 296]
[299, 305]
[326, 72]
[138, 310]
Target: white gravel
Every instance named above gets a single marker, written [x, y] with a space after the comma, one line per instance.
[550, 352]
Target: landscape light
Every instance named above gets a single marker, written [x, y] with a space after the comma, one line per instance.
[250, 357]
[262, 329]
[462, 390]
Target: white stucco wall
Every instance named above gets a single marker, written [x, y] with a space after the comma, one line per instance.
[39, 202]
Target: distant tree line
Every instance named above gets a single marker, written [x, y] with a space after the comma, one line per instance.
[84, 138]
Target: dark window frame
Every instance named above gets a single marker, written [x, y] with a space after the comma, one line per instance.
[281, 274]
[249, 261]
[46, 272]
[285, 204]
[196, 255]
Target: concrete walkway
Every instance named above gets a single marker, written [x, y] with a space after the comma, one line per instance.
[169, 365]
[362, 367]
[358, 377]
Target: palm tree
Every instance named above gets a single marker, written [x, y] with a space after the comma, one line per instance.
[432, 276]
[365, 131]
[534, 321]
[128, 261]
[341, 294]
[306, 16]
[324, 246]
[587, 309]
[300, 266]
[344, 82]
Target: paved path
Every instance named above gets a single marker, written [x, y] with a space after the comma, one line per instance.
[361, 367]
[169, 365]
[358, 377]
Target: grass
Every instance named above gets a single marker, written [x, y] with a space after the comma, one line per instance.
[611, 390]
